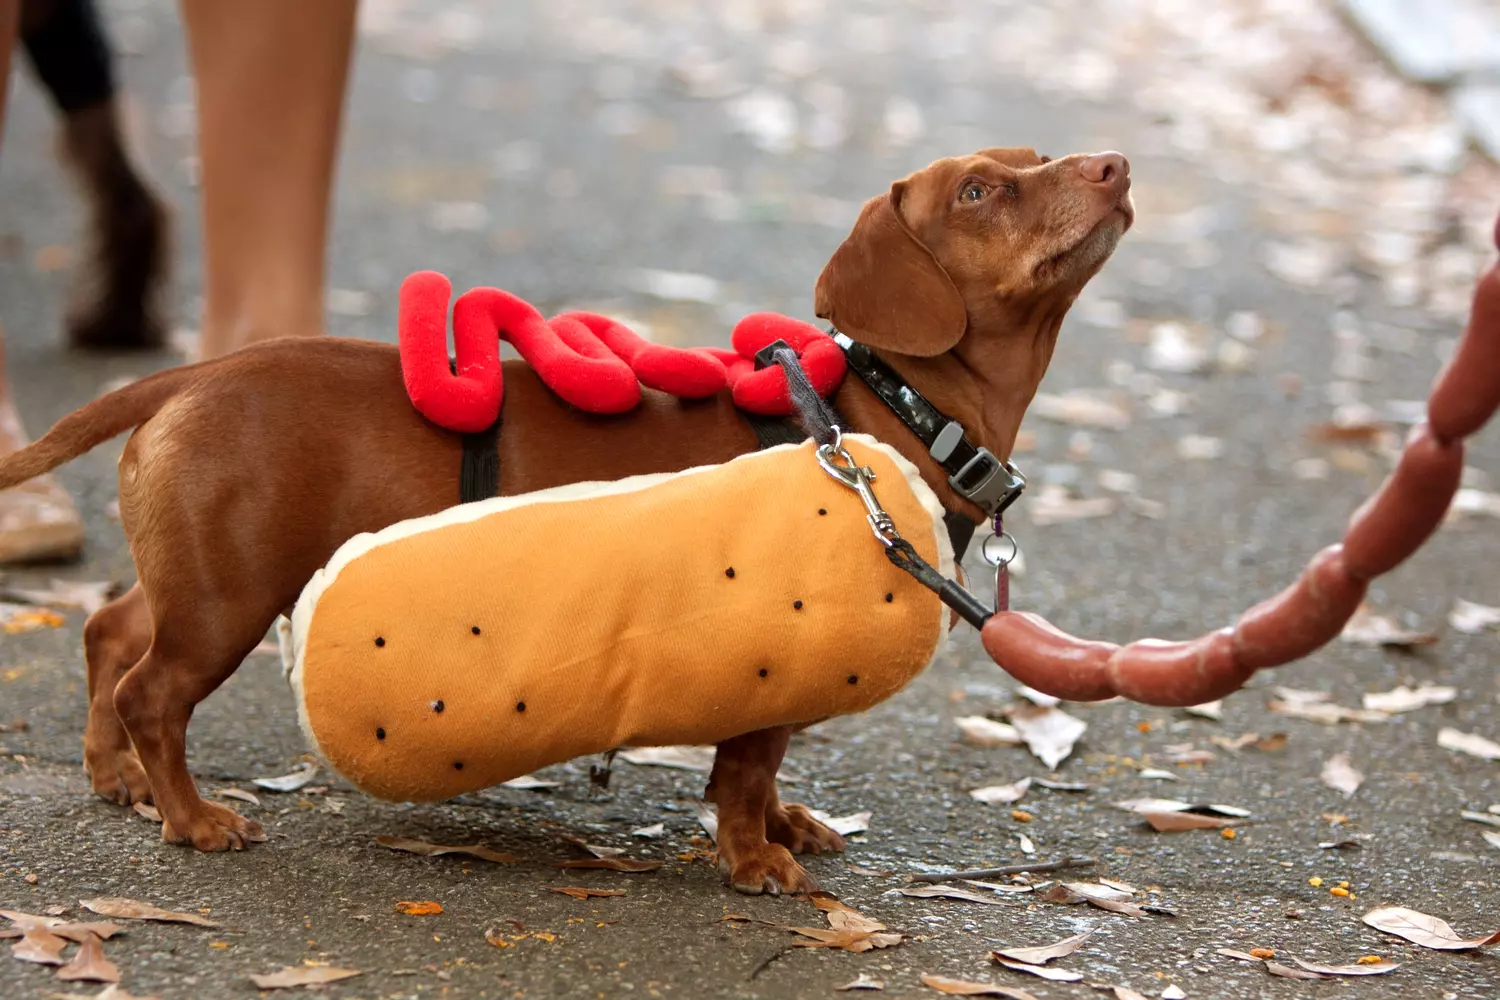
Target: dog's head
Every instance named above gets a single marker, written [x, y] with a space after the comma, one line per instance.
[1003, 232]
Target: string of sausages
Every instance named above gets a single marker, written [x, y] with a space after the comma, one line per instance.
[592, 362]
[1382, 533]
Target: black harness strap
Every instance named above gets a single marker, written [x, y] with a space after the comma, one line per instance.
[479, 473]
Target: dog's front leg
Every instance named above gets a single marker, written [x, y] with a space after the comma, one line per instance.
[743, 785]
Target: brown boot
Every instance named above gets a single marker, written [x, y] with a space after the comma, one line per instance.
[117, 303]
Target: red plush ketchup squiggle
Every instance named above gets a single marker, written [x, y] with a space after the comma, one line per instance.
[591, 361]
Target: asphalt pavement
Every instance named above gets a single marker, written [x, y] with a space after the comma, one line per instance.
[592, 155]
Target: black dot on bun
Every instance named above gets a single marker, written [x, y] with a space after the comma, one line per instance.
[438, 705]
[764, 672]
[797, 605]
[379, 640]
[854, 678]
[520, 706]
[475, 630]
[380, 733]
[889, 598]
[822, 511]
[458, 765]
[729, 572]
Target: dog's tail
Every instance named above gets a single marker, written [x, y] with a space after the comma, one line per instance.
[93, 424]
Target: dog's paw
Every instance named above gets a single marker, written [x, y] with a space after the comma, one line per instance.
[768, 870]
[794, 828]
[212, 827]
[118, 777]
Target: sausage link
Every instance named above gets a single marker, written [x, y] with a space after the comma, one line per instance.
[1467, 390]
[1038, 653]
[1177, 674]
[1302, 617]
[1408, 507]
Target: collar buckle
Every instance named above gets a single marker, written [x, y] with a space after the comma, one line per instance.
[989, 483]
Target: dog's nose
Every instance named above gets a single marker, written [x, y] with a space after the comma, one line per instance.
[1106, 168]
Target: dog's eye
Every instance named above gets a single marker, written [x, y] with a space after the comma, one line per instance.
[972, 191]
[1046, 159]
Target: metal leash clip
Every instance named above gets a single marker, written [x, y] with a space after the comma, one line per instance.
[858, 478]
[1001, 559]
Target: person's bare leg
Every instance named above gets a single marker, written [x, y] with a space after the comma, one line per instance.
[37, 519]
[270, 81]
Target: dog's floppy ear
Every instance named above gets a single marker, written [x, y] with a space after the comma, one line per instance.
[883, 287]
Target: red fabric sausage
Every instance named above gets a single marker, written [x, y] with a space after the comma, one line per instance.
[1177, 674]
[1408, 507]
[468, 401]
[1467, 390]
[1038, 653]
[1302, 617]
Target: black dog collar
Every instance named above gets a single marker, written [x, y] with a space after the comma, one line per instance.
[974, 473]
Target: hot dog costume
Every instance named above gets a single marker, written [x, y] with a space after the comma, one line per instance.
[453, 652]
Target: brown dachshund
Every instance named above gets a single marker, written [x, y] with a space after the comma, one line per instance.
[245, 473]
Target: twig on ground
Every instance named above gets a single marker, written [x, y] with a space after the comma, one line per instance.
[1038, 866]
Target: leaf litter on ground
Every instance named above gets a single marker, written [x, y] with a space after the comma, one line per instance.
[581, 892]
[954, 892]
[300, 778]
[1044, 972]
[1405, 699]
[1049, 732]
[423, 848]
[1316, 707]
[1471, 618]
[1427, 931]
[87, 596]
[122, 908]
[90, 965]
[1366, 628]
[969, 988]
[1173, 815]
[291, 976]
[864, 981]
[614, 864]
[1042, 954]
[1001, 794]
[1340, 775]
[1469, 743]
[982, 732]
[844, 826]
[848, 929]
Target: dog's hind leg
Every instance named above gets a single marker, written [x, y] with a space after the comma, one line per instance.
[191, 654]
[743, 785]
[115, 638]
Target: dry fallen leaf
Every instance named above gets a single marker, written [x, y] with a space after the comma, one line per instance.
[17, 618]
[1174, 822]
[1321, 711]
[1367, 969]
[425, 849]
[110, 992]
[953, 892]
[300, 778]
[843, 825]
[1144, 806]
[1340, 775]
[1288, 972]
[1469, 743]
[1080, 409]
[1493, 839]
[289, 976]
[685, 758]
[1050, 733]
[1121, 992]
[613, 864]
[77, 932]
[90, 964]
[1056, 975]
[238, 793]
[419, 908]
[527, 782]
[966, 988]
[1001, 794]
[1199, 447]
[85, 595]
[133, 909]
[848, 929]
[1042, 954]
[578, 892]
[1173, 992]
[1427, 931]
[653, 832]
[40, 946]
[147, 811]
[1405, 699]
[1054, 503]
[1366, 628]
[863, 982]
[981, 732]
[1472, 618]
[1207, 710]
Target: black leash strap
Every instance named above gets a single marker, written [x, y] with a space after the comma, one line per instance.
[479, 472]
[821, 424]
